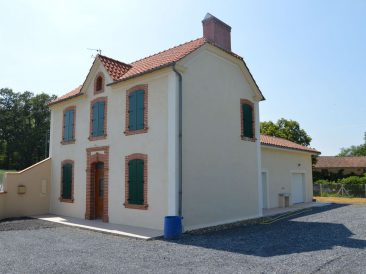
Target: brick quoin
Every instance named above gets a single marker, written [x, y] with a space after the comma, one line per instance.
[247, 102]
[146, 112]
[90, 181]
[127, 159]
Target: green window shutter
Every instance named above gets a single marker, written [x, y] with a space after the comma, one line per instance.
[140, 182]
[95, 119]
[101, 106]
[248, 121]
[66, 181]
[136, 182]
[132, 112]
[71, 125]
[66, 126]
[139, 109]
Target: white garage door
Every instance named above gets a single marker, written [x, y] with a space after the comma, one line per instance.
[298, 188]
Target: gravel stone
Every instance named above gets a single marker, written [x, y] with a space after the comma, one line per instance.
[330, 239]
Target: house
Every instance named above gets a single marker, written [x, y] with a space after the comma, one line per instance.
[175, 133]
[348, 165]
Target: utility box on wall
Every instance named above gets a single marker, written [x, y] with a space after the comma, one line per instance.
[21, 189]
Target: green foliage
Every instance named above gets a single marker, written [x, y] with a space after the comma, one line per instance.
[287, 129]
[323, 182]
[24, 125]
[350, 180]
[353, 180]
[330, 176]
[359, 150]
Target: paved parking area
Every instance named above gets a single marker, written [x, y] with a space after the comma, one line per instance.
[329, 239]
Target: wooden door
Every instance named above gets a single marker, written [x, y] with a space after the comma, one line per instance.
[99, 190]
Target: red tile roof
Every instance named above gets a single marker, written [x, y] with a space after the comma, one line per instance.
[283, 143]
[340, 162]
[75, 92]
[120, 71]
[163, 58]
[115, 68]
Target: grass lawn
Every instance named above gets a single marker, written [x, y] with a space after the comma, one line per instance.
[341, 200]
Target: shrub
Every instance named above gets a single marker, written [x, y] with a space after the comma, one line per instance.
[323, 182]
[353, 180]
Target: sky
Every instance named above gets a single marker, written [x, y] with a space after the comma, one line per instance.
[307, 56]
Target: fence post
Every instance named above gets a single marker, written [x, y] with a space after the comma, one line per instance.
[321, 192]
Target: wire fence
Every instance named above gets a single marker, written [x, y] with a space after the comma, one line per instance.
[340, 190]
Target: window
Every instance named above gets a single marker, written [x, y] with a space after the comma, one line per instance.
[67, 177]
[136, 181]
[68, 131]
[247, 120]
[136, 105]
[98, 121]
[99, 84]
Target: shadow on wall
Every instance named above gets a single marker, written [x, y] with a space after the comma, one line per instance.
[280, 238]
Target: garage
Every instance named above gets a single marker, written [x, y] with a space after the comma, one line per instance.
[286, 171]
[298, 188]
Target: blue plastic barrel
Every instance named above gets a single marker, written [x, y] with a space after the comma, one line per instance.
[172, 227]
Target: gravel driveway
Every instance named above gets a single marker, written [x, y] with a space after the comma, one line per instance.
[330, 239]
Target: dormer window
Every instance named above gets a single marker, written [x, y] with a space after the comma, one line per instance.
[99, 84]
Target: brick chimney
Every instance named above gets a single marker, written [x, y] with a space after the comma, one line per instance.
[216, 31]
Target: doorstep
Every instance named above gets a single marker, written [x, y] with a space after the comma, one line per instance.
[279, 210]
[100, 226]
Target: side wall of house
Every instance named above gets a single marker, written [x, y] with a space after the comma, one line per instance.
[153, 144]
[280, 165]
[220, 170]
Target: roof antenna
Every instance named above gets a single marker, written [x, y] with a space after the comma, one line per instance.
[99, 51]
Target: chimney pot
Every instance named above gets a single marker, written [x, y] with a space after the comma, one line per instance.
[216, 31]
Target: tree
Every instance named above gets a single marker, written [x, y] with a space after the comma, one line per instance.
[24, 123]
[287, 129]
[359, 150]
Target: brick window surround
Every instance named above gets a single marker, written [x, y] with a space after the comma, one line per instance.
[127, 116]
[63, 126]
[127, 159]
[247, 102]
[99, 83]
[93, 156]
[104, 136]
[72, 182]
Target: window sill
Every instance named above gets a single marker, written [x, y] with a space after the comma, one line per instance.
[66, 200]
[142, 207]
[95, 138]
[68, 142]
[134, 132]
[248, 139]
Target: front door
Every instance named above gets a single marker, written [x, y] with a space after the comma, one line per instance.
[99, 190]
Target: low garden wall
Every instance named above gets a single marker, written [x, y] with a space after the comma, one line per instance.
[26, 192]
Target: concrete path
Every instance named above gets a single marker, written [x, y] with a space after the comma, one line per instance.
[98, 225]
